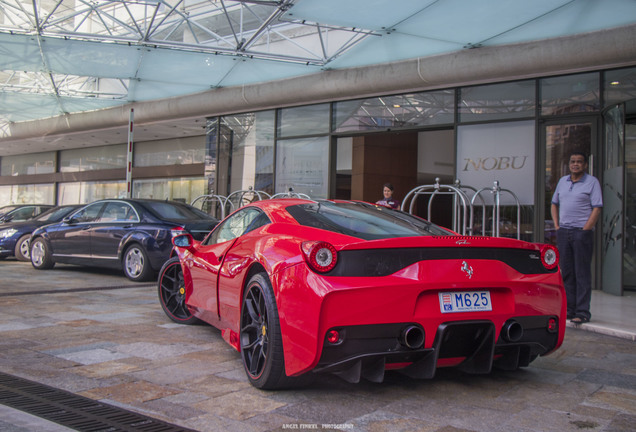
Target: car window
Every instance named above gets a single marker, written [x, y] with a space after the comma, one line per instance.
[55, 214]
[259, 221]
[6, 209]
[363, 220]
[88, 213]
[23, 213]
[171, 211]
[116, 211]
[239, 223]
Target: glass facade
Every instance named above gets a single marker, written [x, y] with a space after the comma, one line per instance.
[305, 120]
[395, 112]
[302, 165]
[94, 158]
[629, 244]
[180, 151]
[619, 86]
[497, 101]
[570, 94]
[249, 146]
[86, 192]
[36, 163]
[179, 189]
[27, 194]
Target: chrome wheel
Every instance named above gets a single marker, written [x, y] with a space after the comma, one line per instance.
[136, 264]
[37, 254]
[41, 257]
[22, 252]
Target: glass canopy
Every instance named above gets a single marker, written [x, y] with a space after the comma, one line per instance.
[68, 56]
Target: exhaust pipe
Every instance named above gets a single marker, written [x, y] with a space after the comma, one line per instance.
[412, 337]
[512, 331]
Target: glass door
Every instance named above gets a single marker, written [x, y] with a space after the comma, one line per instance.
[561, 139]
[612, 222]
[629, 244]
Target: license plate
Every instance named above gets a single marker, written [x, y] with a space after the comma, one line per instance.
[465, 301]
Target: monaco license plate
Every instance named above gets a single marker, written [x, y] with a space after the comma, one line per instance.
[465, 301]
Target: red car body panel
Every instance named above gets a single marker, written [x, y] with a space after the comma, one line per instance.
[308, 315]
[310, 303]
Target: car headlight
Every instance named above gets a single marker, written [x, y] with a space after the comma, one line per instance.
[6, 233]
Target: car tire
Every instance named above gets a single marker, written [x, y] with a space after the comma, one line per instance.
[261, 342]
[136, 264]
[171, 290]
[22, 248]
[41, 257]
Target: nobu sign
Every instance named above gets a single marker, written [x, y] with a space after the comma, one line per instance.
[502, 152]
[495, 163]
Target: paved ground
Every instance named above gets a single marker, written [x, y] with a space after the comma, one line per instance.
[113, 343]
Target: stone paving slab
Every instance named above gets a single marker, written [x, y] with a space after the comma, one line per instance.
[189, 376]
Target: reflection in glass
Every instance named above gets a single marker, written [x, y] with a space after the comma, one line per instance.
[629, 252]
[247, 143]
[394, 112]
[210, 171]
[178, 151]
[305, 120]
[570, 94]
[85, 192]
[93, 158]
[36, 163]
[27, 194]
[611, 248]
[344, 167]
[619, 86]
[303, 165]
[497, 101]
[178, 189]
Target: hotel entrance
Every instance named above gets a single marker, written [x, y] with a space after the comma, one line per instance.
[619, 194]
[364, 163]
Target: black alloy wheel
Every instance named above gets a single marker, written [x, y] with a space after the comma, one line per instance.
[261, 341]
[172, 295]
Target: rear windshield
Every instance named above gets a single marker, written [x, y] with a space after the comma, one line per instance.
[171, 211]
[362, 220]
[7, 209]
[55, 214]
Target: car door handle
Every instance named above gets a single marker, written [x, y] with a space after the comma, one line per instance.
[86, 228]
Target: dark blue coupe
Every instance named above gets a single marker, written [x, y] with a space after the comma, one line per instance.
[130, 234]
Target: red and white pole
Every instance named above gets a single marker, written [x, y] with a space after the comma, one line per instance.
[129, 155]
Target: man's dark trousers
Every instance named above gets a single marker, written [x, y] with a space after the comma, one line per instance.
[575, 249]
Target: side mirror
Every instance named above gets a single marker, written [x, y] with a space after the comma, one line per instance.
[69, 220]
[184, 241]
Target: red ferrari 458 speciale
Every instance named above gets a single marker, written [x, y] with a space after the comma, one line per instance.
[302, 287]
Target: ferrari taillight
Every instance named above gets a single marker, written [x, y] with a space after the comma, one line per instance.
[321, 256]
[549, 256]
